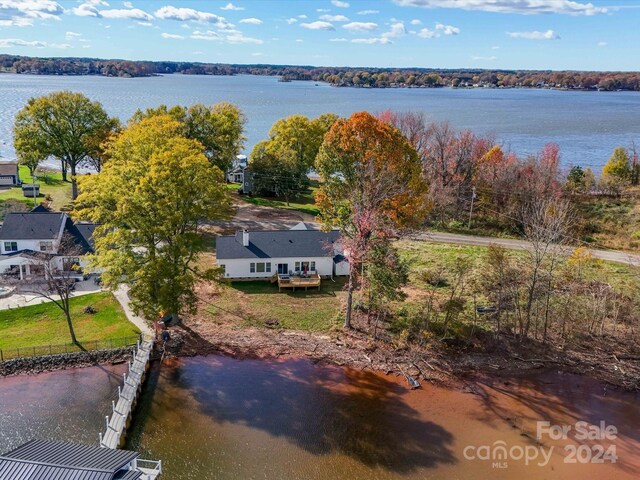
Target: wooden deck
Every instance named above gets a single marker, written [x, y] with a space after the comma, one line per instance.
[296, 281]
[114, 436]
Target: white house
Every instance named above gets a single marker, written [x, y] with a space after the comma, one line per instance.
[236, 173]
[28, 238]
[9, 174]
[254, 254]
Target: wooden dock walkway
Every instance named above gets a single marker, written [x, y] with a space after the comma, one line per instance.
[114, 436]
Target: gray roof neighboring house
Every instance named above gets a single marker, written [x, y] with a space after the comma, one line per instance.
[32, 226]
[41, 460]
[277, 244]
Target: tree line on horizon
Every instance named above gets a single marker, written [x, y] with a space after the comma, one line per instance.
[336, 76]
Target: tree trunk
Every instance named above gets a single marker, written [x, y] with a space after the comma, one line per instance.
[63, 163]
[74, 181]
[70, 323]
[347, 318]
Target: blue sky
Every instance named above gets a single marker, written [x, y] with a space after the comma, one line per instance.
[531, 34]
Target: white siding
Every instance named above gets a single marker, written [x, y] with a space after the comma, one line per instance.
[26, 245]
[241, 267]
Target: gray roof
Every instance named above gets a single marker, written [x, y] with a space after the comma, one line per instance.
[277, 244]
[41, 460]
[31, 226]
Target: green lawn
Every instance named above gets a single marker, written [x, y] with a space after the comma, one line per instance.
[50, 184]
[259, 304]
[44, 324]
[304, 203]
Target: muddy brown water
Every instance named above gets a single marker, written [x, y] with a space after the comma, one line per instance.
[220, 418]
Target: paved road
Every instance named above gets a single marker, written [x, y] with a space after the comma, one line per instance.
[459, 239]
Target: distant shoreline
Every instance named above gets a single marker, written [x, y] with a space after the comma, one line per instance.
[350, 77]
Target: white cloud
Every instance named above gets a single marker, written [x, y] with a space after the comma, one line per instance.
[231, 6]
[323, 10]
[292, 20]
[360, 26]
[338, 40]
[145, 24]
[447, 29]
[397, 30]
[299, 40]
[85, 10]
[239, 38]
[257, 54]
[535, 35]
[426, 33]
[415, 21]
[318, 25]
[486, 59]
[206, 35]
[372, 41]
[602, 44]
[526, 7]
[340, 4]
[130, 13]
[18, 42]
[228, 37]
[22, 13]
[172, 36]
[368, 12]
[302, 16]
[189, 14]
[128, 4]
[334, 18]
[71, 35]
[495, 47]
[185, 26]
[252, 21]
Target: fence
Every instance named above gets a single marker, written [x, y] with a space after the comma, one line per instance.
[43, 350]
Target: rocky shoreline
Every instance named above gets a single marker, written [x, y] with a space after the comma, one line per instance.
[34, 365]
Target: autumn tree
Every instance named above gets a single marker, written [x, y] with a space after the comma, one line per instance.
[149, 201]
[371, 189]
[280, 164]
[219, 128]
[65, 125]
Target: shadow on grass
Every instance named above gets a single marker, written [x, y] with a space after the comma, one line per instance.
[327, 288]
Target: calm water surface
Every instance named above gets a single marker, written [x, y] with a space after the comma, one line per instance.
[586, 125]
[220, 418]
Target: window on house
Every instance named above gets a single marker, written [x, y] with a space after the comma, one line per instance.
[268, 267]
[223, 267]
[46, 246]
[252, 267]
[10, 246]
[297, 267]
[312, 266]
[260, 267]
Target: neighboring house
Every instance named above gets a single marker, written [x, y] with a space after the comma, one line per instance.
[26, 239]
[39, 459]
[263, 253]
[9, 174]
[236, 173]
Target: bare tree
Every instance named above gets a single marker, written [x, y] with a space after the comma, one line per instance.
[56, 277]
[546, 223]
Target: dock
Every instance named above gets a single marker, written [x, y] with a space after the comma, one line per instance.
[122, 410]
[297, 281]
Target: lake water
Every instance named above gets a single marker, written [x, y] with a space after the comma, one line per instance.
[221, 418]
[586, 125]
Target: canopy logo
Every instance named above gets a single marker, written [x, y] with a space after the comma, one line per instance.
[499, 453]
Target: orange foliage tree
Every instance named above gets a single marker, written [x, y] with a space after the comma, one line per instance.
[372, 188]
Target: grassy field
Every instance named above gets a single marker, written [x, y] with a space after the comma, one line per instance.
[260, 304]
[50, 184]
[304, 203]
[44, 324]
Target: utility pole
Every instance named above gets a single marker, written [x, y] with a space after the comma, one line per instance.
[473, 197]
